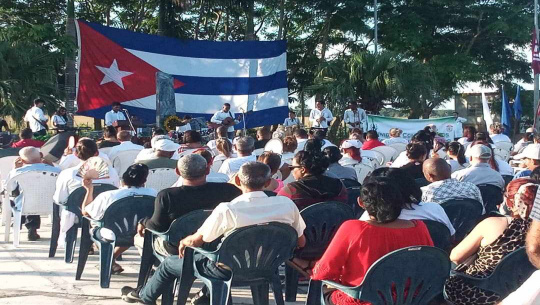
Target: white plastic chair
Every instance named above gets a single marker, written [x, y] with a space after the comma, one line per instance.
[6, 165]
[362, 171]
[161, 178]
[257, 152]
[389, 153]
[105, 150]
[123, 160]
[503, 154]
[399, 147]
[37, 189]
[505, 146]
[380, 158]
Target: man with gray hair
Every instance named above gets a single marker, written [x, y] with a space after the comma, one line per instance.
[244, 147]
[251, 208]
[480, 171]
[29, 160]
[194, 194]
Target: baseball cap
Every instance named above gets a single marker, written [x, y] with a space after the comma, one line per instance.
[531, 151]
[165, 145]
[480, 151]
[530, 129]
[351, 143]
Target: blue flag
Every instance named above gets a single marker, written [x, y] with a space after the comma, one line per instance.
[506, 113]
[517, 106]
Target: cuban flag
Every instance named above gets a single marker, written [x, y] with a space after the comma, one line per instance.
[120, 66]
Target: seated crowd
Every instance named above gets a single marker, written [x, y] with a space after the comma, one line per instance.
[243, 185]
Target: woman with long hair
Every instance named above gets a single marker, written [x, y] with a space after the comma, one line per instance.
[60, 119]
[456, 156]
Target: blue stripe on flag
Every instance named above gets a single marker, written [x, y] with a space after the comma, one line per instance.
[191, 48]
[148, 116]
[231, 85]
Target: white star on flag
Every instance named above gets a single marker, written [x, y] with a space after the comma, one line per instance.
[113, 74]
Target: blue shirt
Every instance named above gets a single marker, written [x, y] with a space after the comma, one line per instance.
[523, 173]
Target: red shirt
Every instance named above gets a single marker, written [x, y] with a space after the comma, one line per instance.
[369, 144]
[28, 142]
[356, 246]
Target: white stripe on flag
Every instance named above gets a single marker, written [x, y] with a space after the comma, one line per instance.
[210, 104]
[210, 67]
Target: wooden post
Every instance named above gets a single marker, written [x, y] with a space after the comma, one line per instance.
[71, 72]
[302, 106]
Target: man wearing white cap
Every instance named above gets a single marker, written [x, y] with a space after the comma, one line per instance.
[527, 139]
[352, 154]
[29, 160]
[164, 150]
[531, 160]
[480, 172]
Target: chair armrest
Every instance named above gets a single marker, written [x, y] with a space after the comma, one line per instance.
[353, 292]
[211, 255]
[98, 223]
[162, 235]
[467, 278]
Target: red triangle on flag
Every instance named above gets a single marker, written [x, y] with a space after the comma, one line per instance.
[109, 73]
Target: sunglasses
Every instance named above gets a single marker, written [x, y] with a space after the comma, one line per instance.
[291, 167]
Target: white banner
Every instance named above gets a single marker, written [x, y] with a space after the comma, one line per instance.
[445, 126]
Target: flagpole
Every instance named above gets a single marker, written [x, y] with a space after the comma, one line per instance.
[536, 76]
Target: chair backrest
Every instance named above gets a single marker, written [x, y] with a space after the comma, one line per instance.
[504, 145]
[257, 152]
[123, 160]
[362, 171]
[76, 198]
[216, 165]
[6, 165]
[322, 221]
[492, 196]
[105, 150]
[501, 153]
[37, 189]
[388, 152]
[380, 157]
[464, 214]
[353, 192]
[161, 178]
[257, 251]
[440, 234]
[122, 217]
[186, 225]
[415, 274]
[399, 147]
[514, 269]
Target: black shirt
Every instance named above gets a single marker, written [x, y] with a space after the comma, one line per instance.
[174, 202]
[261, 143]
[105, 144]
[414, 169]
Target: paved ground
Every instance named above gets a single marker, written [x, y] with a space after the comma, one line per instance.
[28, 276]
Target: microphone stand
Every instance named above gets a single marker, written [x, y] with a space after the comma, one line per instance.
[244, 121]
[130, 122]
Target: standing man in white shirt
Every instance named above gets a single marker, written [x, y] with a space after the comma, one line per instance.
[225, 117]
[355, 117]
[458, 125]
[36, 119]
[292, 120]
[321, 116]
[114, 115]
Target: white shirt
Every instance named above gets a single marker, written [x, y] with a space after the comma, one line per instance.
[96, 208]
[211, 177]
[124, 146]
[32, 115]
[358, 116]
[291, 122]
[401, 160]
[423, 211]
[58, 120]
[301, 144]
[480, 173]
[219, 116]
[520, 145]
[112, 116]
[183, 128]
[455, 166]
[463, 141]
[13, 185]
[527, 294]
[501, 137]
[316, 113]
[458, 127]
[504, 167]
[287, 157]
[232, 165]
[251, 209]
[72, 160]
[68, 181]
[391, 141]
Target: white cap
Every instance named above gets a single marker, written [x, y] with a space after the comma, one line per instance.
[530, 129]
[351, 143]
[158, 137]
[165, 145]
[480, 151]
[531, 151]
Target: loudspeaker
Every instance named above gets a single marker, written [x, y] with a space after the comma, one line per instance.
[53, 149]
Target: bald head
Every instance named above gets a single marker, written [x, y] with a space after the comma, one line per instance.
[30, 155]
[436, 169]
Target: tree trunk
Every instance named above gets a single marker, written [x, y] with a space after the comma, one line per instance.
[250, 23]
[281, 19]
[162, 16]
[71, 72]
